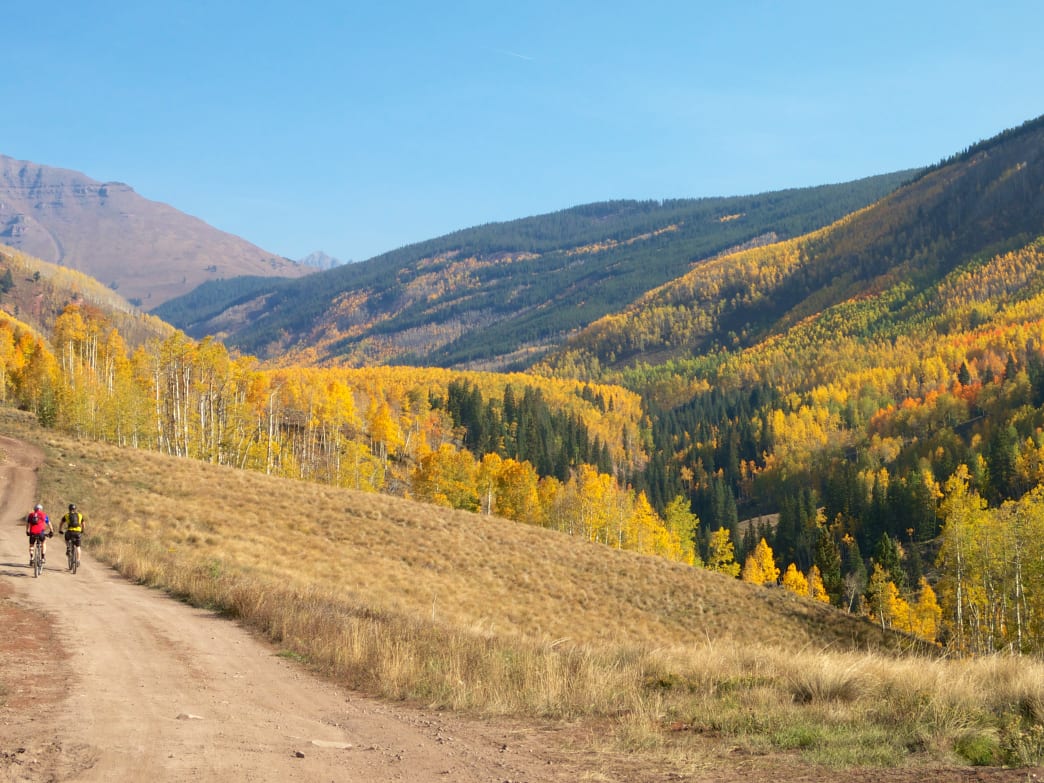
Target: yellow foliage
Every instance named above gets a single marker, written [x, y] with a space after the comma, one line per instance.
[816, 587]
[722, 554]
[795, 581]
[760, 566]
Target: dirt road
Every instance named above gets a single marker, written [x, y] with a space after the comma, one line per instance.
[128, 684]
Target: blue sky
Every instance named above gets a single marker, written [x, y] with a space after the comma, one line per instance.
[359, 128]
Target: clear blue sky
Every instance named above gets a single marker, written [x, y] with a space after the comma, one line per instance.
[357, 128]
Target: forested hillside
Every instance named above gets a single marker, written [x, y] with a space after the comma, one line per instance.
[36, 292]
[878, 385]
[500, 295]
[985, 201]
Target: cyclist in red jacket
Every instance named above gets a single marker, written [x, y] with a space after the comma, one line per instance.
[38, 526]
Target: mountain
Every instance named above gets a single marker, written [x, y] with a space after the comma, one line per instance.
[148, 251]
[500, 295]
[320, 260]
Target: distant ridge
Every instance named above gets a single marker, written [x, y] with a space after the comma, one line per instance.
[320, 260]
[499, 296]
[146, 250]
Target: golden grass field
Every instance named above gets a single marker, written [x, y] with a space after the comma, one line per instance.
[450, 609]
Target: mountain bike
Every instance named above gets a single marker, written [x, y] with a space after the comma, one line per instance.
[72, 554]
[37, 556]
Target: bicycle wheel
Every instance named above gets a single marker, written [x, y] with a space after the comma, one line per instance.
[37, 559]
[70, 554]
[75, 558]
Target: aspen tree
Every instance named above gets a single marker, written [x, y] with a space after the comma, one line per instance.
[795, 581]
[684, 527]
[722, 553]
[517, 494]
[816, 586]
[963, 510]
[760, 566]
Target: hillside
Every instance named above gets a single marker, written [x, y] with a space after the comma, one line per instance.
[647, 665]
[874, 389]
[481, 571]
[497, 296]
[36, 292]
[987, 200]
[148, 251]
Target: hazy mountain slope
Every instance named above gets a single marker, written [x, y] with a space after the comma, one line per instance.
[986, 200]
[148, 251]
[495, 296]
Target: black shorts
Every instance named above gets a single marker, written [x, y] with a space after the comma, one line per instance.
[73, 537]
[34, 537]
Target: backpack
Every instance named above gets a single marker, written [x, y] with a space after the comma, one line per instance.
[36, 518]
[75, 523]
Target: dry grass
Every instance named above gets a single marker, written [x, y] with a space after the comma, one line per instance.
[464, 612]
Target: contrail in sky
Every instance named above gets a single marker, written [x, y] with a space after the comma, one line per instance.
[509, 53]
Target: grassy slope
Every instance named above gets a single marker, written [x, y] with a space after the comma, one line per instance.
[409, 601]
[395, 555]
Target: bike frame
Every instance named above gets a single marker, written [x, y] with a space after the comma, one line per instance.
[73, 555]
[37, 557]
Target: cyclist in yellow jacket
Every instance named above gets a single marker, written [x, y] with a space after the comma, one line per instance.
[72, 526]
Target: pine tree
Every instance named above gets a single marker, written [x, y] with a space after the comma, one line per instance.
[827, 563]
[888, 555]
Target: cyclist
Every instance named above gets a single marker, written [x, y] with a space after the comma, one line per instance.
[72, 526]
[38, 527]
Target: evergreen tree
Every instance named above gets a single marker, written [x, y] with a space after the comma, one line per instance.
[1001, 471]
[964, 374]
[887, 555]
[855, 579]
[828, 564]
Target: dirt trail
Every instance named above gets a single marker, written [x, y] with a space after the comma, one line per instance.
[160, 691]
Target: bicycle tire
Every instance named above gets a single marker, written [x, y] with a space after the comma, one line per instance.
[37, 559]
[70, 555]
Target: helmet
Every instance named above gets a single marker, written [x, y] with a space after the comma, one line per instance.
[38, 507]
[72, 506]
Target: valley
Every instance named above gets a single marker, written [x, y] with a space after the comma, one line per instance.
[758, 479]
